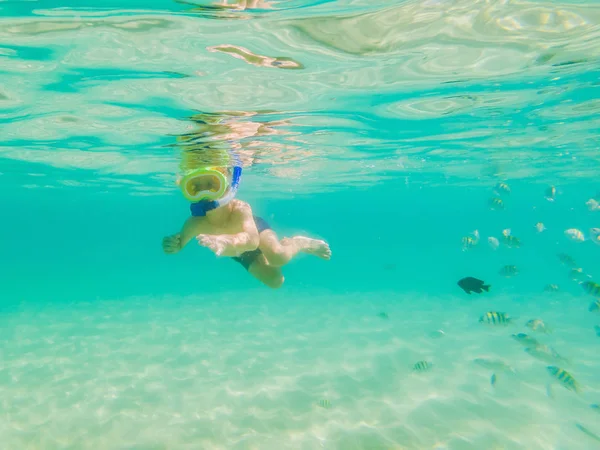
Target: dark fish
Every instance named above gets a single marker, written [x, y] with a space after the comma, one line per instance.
[470, 284]
[597, 328]
[493, 379]
[383, 315]
[588, 432]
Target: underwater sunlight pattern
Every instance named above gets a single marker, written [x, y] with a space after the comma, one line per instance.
[262, 224]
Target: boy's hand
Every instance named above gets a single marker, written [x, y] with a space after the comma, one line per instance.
[220, 245]
[172, 244]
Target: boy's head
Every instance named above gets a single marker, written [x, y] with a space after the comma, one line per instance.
[204, 184]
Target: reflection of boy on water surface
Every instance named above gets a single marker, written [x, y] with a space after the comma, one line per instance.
[229, 228]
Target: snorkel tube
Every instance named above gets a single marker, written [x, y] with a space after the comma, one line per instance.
[201, 207]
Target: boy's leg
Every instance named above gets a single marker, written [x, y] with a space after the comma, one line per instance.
[280, 252]
[268, 275]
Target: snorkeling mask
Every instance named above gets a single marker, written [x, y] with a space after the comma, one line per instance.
[209, 188]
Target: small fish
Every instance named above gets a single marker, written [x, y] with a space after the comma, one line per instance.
[564, 377]
[594, 306]
[383, 315]
[493, 242]
[496, 203]
[593, 204]
[470, 284]
[551, 288]
[538, 325]
[591, 288]
[502, 189]
[437, 334]
[588, 432]
[578, 275]
[470, 242]
[540, 227]
[509, 271]
[597, 328]
[575, 235]
[495, 318]
[525, 339]
[422, 366]
[509, 240]
[566, 260]
[550, 193]
[595, 407]
[546, 354]
[324, 404]
[493, 364]
[595, 235]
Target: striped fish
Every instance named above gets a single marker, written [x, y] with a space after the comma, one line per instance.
[595, 235]
[525, 339]
[509, 271]
[496, 203]
[575, 235]
[538, 325]
[422, 366]
[551, 288]
[546, 354]
[469, 242]
[493, 364]
[591, 288]
[502, 188]
[495, 318]
[566, 260]
[324, 404]
[564, 377]
[595, 306]
[511, 241]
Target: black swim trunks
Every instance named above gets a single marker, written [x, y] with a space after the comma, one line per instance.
[247, 258]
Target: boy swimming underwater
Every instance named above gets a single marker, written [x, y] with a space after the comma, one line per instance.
[227, 226]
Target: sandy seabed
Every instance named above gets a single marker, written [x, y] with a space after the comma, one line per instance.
[295, 372]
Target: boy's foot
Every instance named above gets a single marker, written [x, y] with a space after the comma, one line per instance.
[172, 244]
[314, 247]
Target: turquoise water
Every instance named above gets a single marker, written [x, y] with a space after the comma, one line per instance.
[380, 127]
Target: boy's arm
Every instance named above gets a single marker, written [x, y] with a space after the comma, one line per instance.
[176, 242]
[234, 244]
